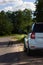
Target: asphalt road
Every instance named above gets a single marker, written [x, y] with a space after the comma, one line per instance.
[13, 54]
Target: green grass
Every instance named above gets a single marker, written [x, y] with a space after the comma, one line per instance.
[19, 37]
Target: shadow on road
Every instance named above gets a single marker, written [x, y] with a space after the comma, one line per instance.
[19, 57]
[9, 58]
[9, 43]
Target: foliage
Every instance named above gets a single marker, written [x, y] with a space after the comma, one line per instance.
[5, 24]
[15, 22]
[21, 20]
[39, 11]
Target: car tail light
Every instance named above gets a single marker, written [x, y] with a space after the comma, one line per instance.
[32, 35]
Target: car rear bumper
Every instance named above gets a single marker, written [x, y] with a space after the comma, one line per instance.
[37, 49]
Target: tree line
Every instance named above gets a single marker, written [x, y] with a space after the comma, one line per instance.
[15, 22]
[20, 21]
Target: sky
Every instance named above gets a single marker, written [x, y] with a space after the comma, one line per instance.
[15, 5]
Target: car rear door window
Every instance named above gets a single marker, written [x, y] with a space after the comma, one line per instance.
[38, 28]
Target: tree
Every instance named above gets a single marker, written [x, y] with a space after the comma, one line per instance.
[5, 25]
[23, 20]
[20, 19]
[39, 11]
[27, 19]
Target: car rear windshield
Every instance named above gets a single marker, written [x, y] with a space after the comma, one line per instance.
[38, 28]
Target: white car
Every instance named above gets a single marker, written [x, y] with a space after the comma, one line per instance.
[34, 40]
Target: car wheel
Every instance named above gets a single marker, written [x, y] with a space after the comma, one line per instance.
[25, 49]
[28, 51]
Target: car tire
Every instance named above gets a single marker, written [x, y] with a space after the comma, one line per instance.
[28, 51]
[25, 49]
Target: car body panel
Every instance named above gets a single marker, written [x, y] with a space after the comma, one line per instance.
[36, 43]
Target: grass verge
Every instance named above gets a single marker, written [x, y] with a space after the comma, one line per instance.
[19, 37]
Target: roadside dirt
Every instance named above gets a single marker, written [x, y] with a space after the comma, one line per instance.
[13, 54]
